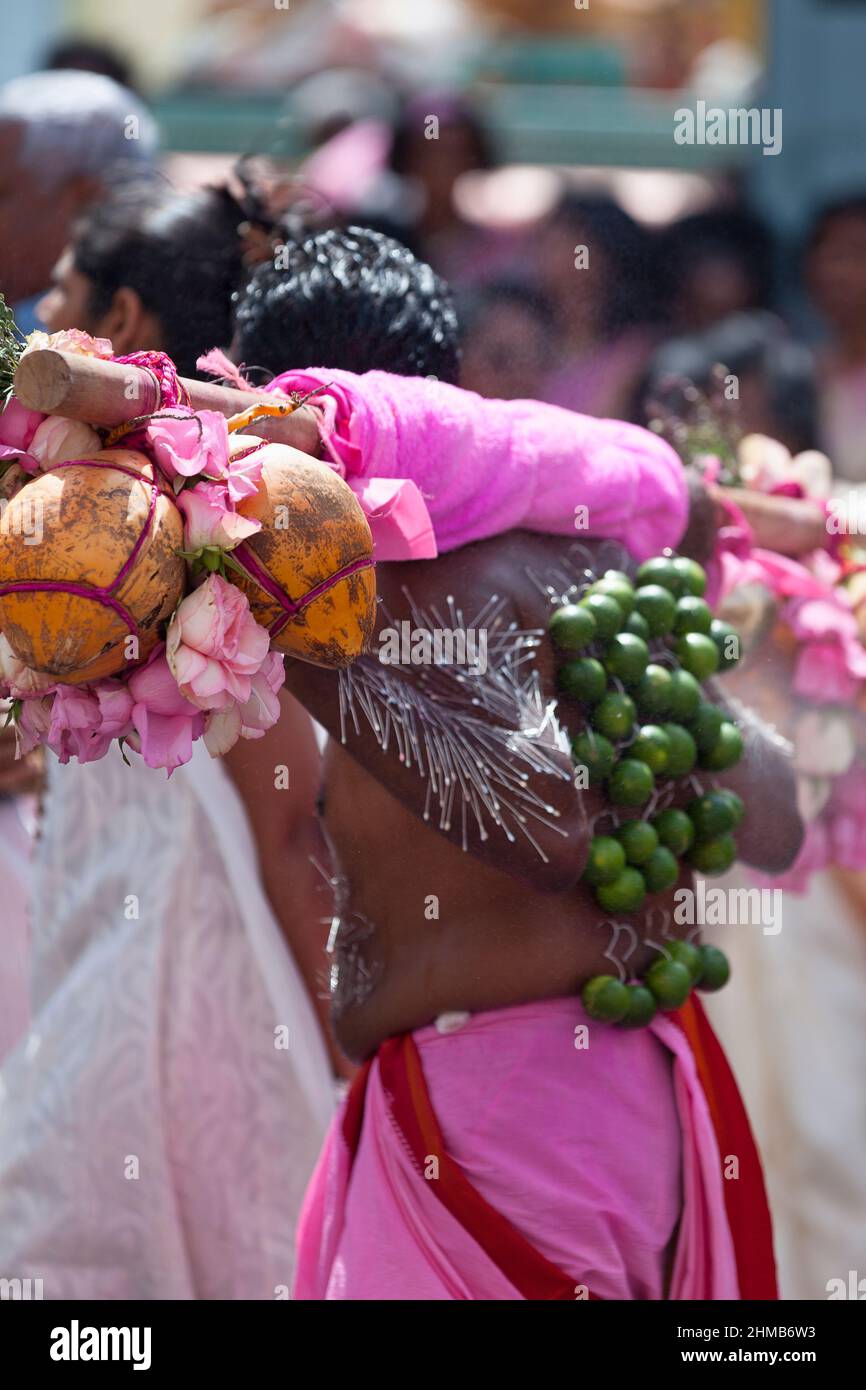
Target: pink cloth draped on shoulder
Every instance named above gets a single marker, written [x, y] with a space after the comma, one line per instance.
[483, 467]
[602, 1159]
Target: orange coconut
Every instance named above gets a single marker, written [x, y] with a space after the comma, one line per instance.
[87, 522]
[313, 528]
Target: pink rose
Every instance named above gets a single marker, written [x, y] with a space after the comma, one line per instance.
[209, 522]
[164, 723]
[223, 727]
[115, 707]
[245, 472]
[33, 724]
[75, 725]
[17, 428]
[185, 442]
[73, 340]
[215, 646]
[57, 440]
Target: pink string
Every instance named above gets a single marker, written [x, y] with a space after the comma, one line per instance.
[102, 595]
[292, 607]
[162, 369]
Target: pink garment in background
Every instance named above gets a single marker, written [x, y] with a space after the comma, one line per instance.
[17, 826]
[601, 1157]
[484, 467]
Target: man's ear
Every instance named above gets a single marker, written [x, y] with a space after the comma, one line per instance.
[125, 321]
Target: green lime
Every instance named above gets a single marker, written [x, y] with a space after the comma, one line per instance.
[693, 615]
[661, 871]
[713, 856]
[693, 575]
[715, 969]
[712, 814]
[619, 589]
[675, 830]
[606, 611]
[652, 746]
[606, 860]
[661, 570]
[584, 679]
[682, 753]
[652, 693]
[625, 894]
[641, 1007]
[620, 576]
[685, 696]
[727, 641]
[637, 626]
[614, 715]
[631, 783]
[689, 956]
[670, 983]
[657, 607]
[626, 656]
[572, 628]
[596, 753]
[727, 749]
[638, 840]
[605, 998]
[735, 802]
[706, 725]
[698, 654]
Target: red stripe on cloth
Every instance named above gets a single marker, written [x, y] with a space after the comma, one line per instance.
[745, 1196]
[530, 1272]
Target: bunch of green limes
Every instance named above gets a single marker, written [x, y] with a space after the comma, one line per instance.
[647, 721]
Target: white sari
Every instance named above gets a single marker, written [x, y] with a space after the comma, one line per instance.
[156, 1132]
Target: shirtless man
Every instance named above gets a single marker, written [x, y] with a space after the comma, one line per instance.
[513, 925]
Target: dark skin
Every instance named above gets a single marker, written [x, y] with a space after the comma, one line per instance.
[511, 928]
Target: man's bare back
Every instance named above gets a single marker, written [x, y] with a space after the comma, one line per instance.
[428, 927]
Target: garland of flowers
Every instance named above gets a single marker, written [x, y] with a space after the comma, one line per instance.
[214, 674]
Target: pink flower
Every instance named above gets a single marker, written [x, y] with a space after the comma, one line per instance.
[185, 443]
[164, 723]
[223, 727]
[74, 730]
[209, 521]
[33, 723]
[73, 340]
[215, 646]
[19, 680]
[245, 471]
[17, 428]
[56, 440]
[115, 707]
[822, 674]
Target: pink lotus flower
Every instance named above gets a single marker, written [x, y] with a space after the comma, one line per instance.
[209, 521]
[224, 727]
[185, 443]
[56, 440]
[164, 723]
[215, 646]
[73, 340]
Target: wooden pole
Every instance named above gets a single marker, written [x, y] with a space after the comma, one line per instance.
[788, 525]
[106, 394]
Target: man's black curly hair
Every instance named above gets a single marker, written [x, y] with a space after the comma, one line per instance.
[349, 298]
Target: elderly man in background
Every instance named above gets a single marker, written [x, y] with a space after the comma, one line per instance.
[64, 138]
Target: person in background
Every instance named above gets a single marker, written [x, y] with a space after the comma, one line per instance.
[835, 271]
[88, 55]
[510, 339]
[65, 137]
[149, 265]
[716, 263]
[775, 376]
[594, 263]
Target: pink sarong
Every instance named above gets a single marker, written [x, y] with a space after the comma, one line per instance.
[504, 1161]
